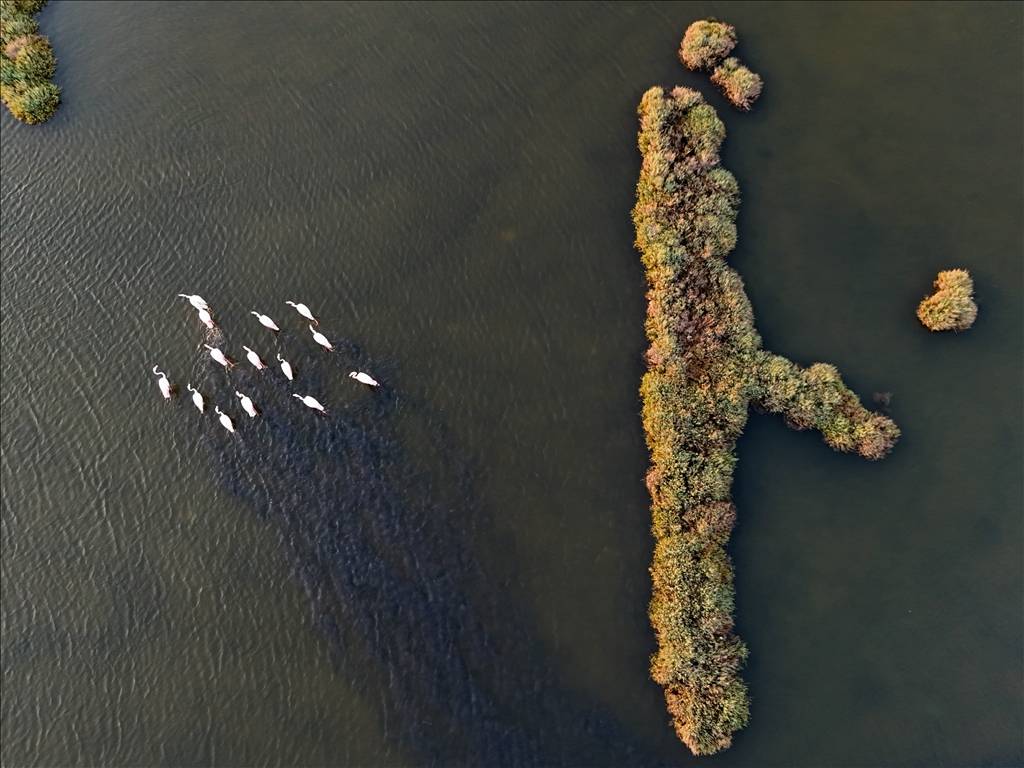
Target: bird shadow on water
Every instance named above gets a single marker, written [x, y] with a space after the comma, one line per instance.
[384, 550]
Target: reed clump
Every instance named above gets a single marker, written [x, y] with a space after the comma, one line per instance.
[705, 46]
[27, 63]
[740, 86]
[706, 368]
[951, 307]
[705, 43]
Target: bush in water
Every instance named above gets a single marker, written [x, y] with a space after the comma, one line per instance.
[740, 86]
[705, 43]
[951, 307]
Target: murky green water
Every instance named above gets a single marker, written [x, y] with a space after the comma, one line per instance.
[455, 571]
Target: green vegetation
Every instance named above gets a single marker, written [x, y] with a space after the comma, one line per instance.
[951, 307]
[705, 368]
[26, 63]
[705, 43]
[740, 86]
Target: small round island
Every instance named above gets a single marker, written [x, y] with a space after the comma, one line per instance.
[951, 307]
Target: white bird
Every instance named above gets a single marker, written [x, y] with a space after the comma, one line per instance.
[320, 339]
[207, 319]
[164, 384]
[265, 321]
[286, 367]
[195, 300]
[254, 359]
[247, 405]
[219, 356]
[364, 378]
[225, 420]
[311, 402]
[196, 397]
[303, 310]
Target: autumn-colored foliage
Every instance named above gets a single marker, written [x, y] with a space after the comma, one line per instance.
[706, 42]
[740, 86]
[706, 368]
[951, 307]
[26, 63]
[705, 45]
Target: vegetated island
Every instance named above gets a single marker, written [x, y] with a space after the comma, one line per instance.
[740, 86]
[26, 63]
[705, 45]
[951, 307]
[706, 368]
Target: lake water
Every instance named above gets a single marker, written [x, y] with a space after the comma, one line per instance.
[453, 570]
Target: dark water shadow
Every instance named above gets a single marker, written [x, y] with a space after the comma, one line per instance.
[386, 553]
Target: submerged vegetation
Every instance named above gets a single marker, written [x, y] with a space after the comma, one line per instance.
[951, 307]
[740, 86]
[26, 63]
[705, 369]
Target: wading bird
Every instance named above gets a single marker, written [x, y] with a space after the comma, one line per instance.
[364, 378]
[265, 321]
[196, 397]
[164, 384]
[311, 402]
[225, 420]
[207, 319]
[253, 358]
[286, 367]
[303, 310]
[195, 300]
[320, 339]
[247, 405]
[219, 356]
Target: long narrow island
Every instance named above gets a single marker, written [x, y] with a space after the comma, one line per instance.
[706, 368]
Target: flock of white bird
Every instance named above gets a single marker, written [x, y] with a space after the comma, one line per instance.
[206, 317]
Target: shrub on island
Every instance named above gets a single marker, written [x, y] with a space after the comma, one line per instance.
[951, 307]
[740, 86]
[9, 74]
[705, 43]
[26, 63]
[33, 57]
[27, 7]
[34, 104]
[705, 369]
[16, 25]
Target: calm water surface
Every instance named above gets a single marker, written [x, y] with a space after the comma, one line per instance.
[454, 570]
